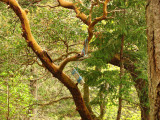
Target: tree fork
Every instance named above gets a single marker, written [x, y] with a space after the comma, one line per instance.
[79, 102]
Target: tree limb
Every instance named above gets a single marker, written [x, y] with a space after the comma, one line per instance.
[121, 75]
[98, 19]
[26, 33]
[54, 101]
[64, 55]
[47, 6]
[73, 6]
[64, 63]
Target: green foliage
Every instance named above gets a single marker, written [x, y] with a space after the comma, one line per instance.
[58, 31]
[132, 26]
[18, 94]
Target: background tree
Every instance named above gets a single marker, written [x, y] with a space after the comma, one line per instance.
[153, 27]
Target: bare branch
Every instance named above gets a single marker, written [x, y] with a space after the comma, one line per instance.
[54, 101]
[45, 74]
[64, 63]
[47, 6]
[65, 55]
[38, 63]
[37, 1]
[83, 17]
[120, 10]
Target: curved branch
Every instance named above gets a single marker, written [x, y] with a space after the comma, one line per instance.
[64, 55]
[73, 6]
[66, 4]
[98, 19]
[83, 17]
[67, 60]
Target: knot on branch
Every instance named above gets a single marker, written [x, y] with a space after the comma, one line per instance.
[29, 43]
[45, 54]
[24, 34]
[26, 11]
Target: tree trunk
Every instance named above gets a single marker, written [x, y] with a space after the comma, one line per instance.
[141, 85]
[87, 100]
[153, 37]
[8, 96]
[119, 104]
[33, 89]
[121, 75]
[142, 90]
[102, 105]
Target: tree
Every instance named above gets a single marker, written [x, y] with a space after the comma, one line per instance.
[153, 28]
[107, 47]
[91, 20]
[57, 71]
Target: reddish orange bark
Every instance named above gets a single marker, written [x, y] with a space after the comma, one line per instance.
[57, 71]
[45, 59]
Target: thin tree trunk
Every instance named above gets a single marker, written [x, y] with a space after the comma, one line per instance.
[119, 104]
[33, 89]
[121, 74]
[102, 106]
[153, 37]
[8, 108]
[141, 85]
[87, 100]
[142, 90]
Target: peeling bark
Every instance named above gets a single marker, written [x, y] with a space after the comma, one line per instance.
[153, 36]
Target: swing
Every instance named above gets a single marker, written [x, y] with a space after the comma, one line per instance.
[74, 72]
